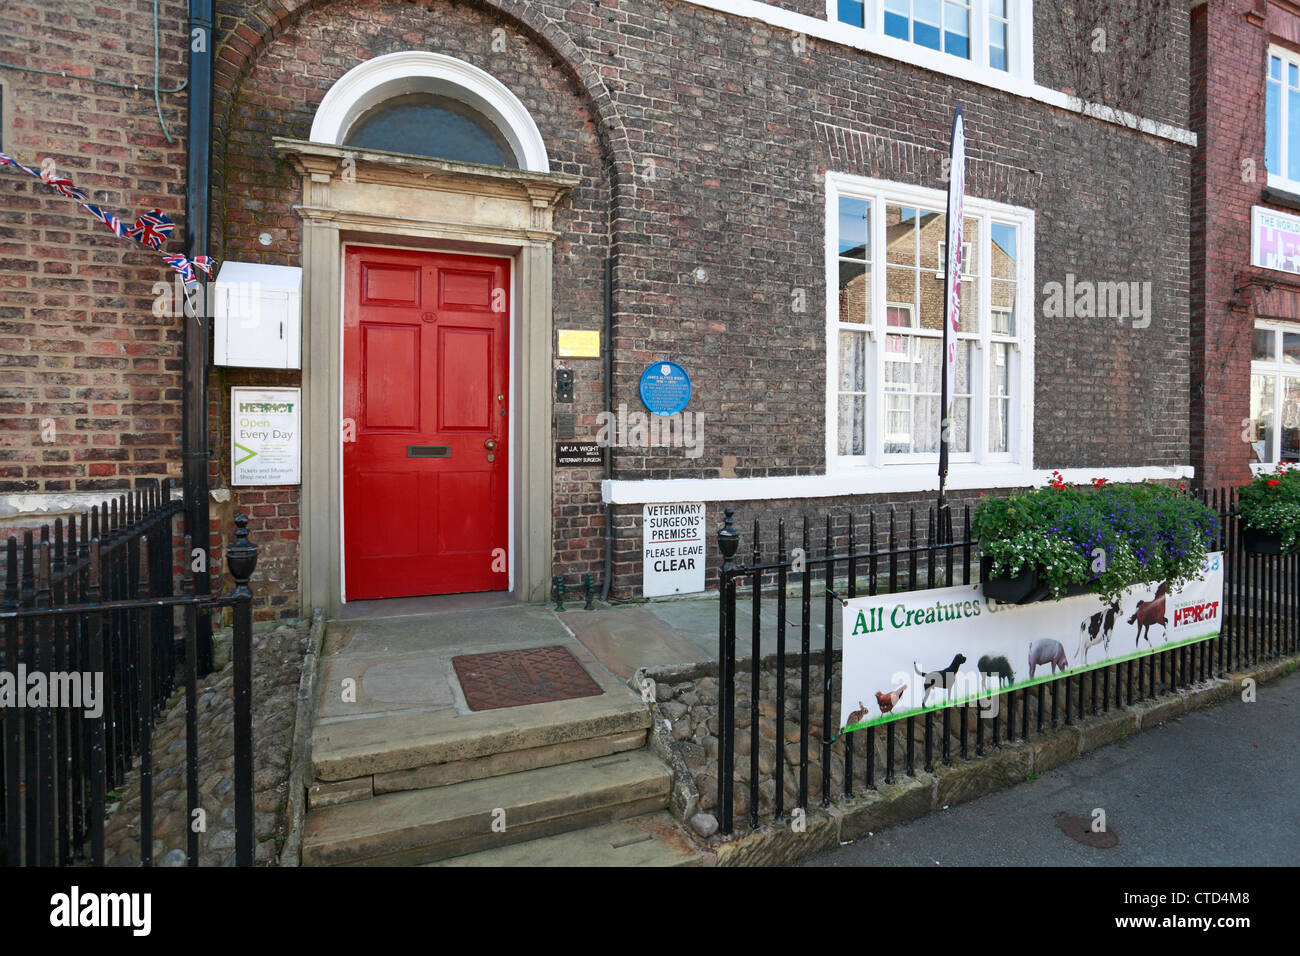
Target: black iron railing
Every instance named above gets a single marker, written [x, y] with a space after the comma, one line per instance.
[96, 607]
[865, 556]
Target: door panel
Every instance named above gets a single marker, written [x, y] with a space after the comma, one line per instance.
[425, 376]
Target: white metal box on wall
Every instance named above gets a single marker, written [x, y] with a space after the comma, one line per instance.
[257, 316]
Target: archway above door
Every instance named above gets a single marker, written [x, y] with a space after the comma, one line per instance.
[366, 87]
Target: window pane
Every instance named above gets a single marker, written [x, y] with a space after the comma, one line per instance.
[855, 292]
[971, 248]
[854, 217]
[429, 125]
[850, 12]
[853, 362]
[1293, 135]
[1273, 128]
[1290, 348]
[1275, 67]
[1004, 251]
[853, 425]
[896, 26]
[999, 425]
[1291, 419]
[1293, 75]
[934, 235]
[927, 11]
[1265, 345]
[900, 234]
[1261, 415]
[997, 58]
[970, 305]
[1004, 307]
[956, 27]
[998, 8]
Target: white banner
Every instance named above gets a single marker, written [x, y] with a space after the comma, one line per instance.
[908, 653]
[956, 231]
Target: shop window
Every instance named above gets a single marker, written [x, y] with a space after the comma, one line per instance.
[426, 124]
[979, 31]
[1274, 429]
[886, 327]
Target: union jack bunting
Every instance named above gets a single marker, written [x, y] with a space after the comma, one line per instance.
[151, 229]
[107, 218]
[186, 267]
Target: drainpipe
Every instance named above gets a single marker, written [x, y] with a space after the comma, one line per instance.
[195, 375]
[609, 405]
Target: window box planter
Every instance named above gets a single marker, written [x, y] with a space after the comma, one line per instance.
[1026, 587]
[1269, 508]
[1264, 542]
[1068, 541]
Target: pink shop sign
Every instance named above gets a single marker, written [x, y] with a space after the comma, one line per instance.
[1274, 240]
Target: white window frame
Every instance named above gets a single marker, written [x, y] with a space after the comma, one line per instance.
[918, 467]
[1020, 42]
[1279, 180]
[1276, 370]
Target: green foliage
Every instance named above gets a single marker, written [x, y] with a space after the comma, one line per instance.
[1109, 537]
[1271, 503]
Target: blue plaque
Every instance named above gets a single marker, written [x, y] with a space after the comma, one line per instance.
[665, 388]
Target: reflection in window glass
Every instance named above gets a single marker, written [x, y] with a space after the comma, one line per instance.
[425, 124]
[900, 369]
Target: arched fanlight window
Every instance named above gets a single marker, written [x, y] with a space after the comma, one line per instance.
[430, 124]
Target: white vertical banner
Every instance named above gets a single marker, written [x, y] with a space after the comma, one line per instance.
[953, 268]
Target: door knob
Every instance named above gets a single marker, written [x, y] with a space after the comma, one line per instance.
[491, 445]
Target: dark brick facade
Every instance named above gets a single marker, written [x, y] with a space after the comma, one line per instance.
[702, 141]
[1230, 40]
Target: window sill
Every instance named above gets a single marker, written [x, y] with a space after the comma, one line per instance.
[1287, 196]
[901, 479]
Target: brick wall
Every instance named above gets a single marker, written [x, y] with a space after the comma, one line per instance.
[729, 134]
[702, 141]
[1230, 43]
[81, 348]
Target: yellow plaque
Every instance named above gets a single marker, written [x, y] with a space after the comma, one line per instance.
[577, 343]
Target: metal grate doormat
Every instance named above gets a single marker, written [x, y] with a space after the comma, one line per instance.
[514, 678]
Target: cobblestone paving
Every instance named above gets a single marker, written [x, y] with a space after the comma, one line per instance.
[277, 659]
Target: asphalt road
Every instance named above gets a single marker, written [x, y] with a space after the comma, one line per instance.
[1218, 787]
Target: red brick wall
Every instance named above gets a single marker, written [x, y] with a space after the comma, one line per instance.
[79, 342]
[1230, 45]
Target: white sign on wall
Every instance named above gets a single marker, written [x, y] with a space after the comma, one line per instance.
[672, 553]
[265, 436]
[905, 654]
[1274, 240]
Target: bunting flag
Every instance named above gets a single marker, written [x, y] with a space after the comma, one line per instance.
[151, 229]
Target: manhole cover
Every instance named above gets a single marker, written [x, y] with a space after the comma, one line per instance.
[514, 678]
[1079, 829]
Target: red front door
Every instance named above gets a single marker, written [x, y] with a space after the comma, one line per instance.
[425, 396]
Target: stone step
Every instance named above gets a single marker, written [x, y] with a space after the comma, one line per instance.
[417, 740]
[650, 840]
[422, 826]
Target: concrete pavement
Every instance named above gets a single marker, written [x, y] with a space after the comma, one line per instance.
[1217, 787]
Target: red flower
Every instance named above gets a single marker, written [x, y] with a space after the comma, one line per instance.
[1273, 481]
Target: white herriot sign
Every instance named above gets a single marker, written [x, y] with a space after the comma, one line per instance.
[905, 654]
[672, 553]
[265, 436]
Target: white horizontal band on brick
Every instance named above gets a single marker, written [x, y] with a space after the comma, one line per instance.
[885, 481]
[941, 63]
[61, 502]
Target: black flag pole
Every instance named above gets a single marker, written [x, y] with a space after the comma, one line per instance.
[952, 306]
